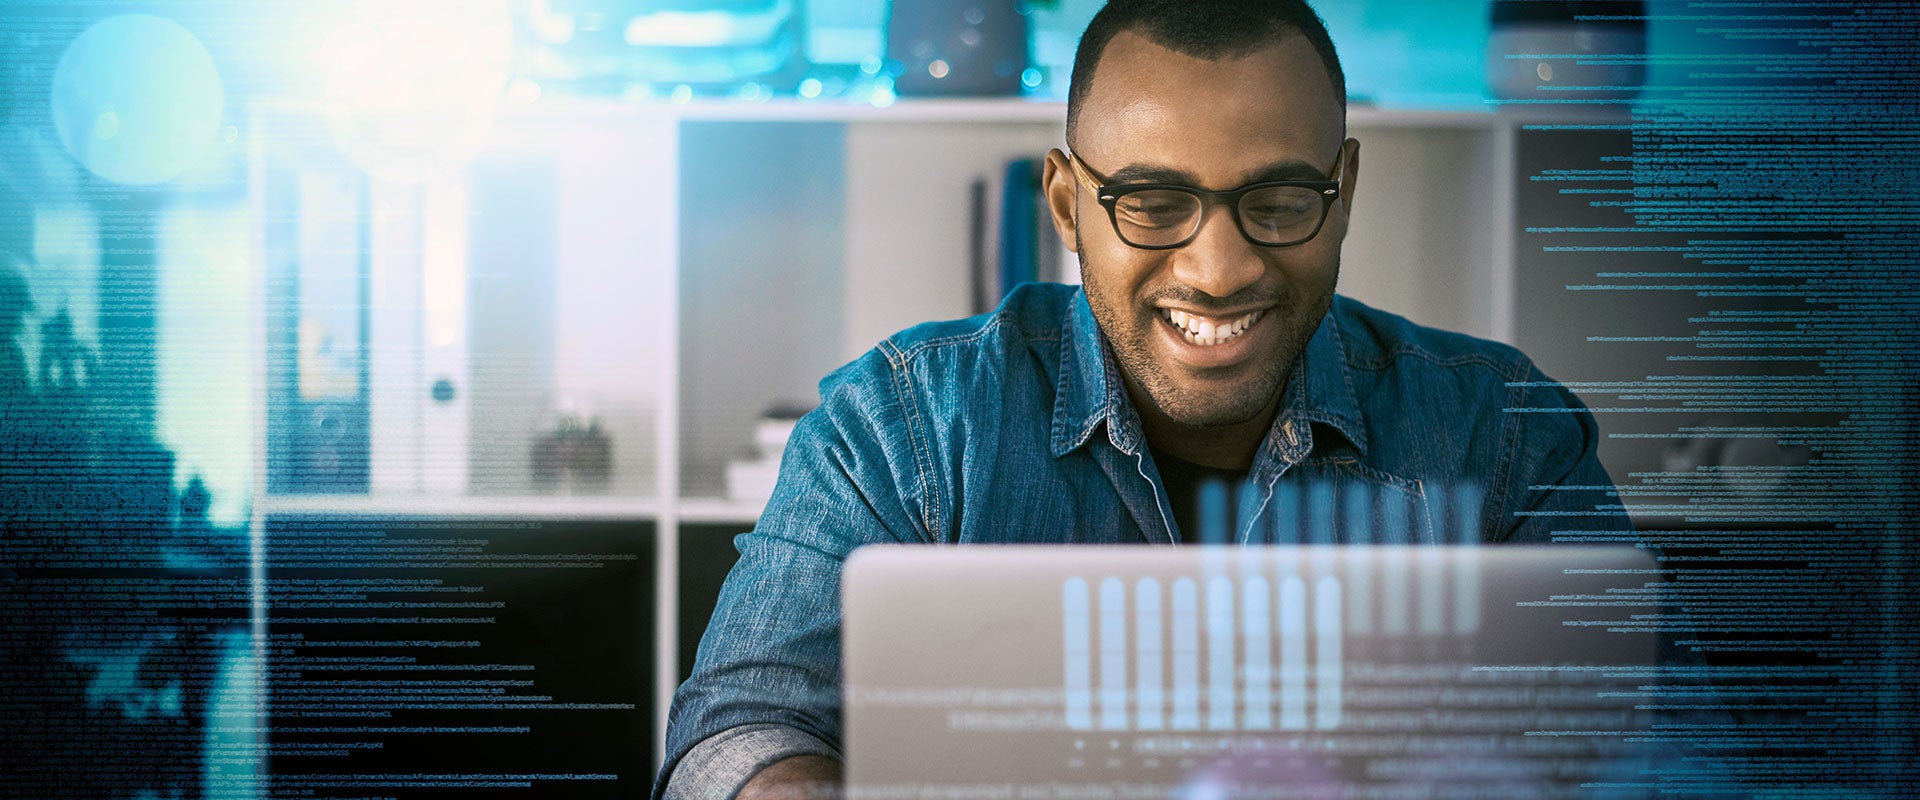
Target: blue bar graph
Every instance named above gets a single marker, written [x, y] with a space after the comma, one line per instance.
[1213, 512]
[1395, 530]
[1186, 656]
[1433, 592]
[1079, 652]
[1466, 582]
[1293, 653]
[1257, 627]
[1113, 655]
[1320, 513]
[1220, 663]
[1326, 641]
[1264, 646]
[1152, 702]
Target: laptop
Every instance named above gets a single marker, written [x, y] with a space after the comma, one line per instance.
[1080, 672]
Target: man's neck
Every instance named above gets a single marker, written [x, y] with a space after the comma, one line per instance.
[1220, 446]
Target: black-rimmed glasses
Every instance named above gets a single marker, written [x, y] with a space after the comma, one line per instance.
[1161, 216]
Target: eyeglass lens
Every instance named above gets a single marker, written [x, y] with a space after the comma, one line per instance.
[1273, 215]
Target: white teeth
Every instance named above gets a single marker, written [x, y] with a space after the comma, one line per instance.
[1206, 332]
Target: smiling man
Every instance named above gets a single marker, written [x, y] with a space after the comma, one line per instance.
[1208, 191]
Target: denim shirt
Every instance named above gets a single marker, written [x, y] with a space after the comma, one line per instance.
[1015, 426]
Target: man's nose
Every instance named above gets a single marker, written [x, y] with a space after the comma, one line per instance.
[1219, 260]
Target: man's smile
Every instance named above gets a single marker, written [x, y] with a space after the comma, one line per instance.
[1202, 341]
[1207, 331]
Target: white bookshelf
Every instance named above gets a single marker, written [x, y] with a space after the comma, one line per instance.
[875, 239]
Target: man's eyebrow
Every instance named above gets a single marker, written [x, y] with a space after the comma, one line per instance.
[1287, 171]
[1276, 171]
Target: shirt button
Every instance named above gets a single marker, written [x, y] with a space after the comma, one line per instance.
[1286, 429]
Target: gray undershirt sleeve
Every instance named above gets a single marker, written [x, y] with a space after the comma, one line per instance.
[720, 764]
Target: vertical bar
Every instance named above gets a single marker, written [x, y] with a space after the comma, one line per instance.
[1326, 641]
[400, 255]
[1220, 666]
[1213, 512]
[1246, 505]
[663, 229]
[1147, 643]
[1113, 655]
[1286, 513]
[1466, 580]
[1356, 513]
[1395, 597]
[1293, 653]
[1079, 650]
[1186, 656]
[1320, 513]
[1433, 591]
[260, 350]
[1357, 518]
[1501, 225]
[443, 287]
[1256, 625]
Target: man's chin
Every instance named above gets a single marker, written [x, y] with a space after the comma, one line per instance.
[1236, 406]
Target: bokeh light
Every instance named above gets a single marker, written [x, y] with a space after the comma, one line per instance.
[137, 99]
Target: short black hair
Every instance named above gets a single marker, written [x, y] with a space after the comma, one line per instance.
[1209, 29]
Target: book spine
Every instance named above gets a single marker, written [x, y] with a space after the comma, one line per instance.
[1018, 263]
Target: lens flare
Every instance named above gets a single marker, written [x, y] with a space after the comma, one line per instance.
[137, 99]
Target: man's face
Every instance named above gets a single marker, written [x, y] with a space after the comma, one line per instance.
[1155, 115]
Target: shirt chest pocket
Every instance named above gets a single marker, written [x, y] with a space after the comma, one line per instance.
[1341, 501]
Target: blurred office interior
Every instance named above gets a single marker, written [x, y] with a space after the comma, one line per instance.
[292, 293]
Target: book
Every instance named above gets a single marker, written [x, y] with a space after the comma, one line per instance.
[1018, 231]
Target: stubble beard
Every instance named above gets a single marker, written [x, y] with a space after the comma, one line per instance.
[1128, 333]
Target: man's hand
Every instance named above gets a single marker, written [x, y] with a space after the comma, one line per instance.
[797, 778]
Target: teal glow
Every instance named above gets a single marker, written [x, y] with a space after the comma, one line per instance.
[137, 99]
[1412, 53]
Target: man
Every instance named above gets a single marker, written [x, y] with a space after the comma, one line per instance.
[1207, 193]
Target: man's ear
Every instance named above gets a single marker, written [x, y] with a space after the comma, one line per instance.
[1349, 175]
[1056, 179]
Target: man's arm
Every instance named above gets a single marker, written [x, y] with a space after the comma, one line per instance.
[765, 685]
[737, 761]
[797, 778]
[1555, 480]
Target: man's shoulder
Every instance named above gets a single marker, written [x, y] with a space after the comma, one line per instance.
[1032, 320]
[1033, 313]
[1381, 341]
[1018, 338]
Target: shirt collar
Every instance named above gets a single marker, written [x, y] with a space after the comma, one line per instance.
[1089, 390]
[1321, 386]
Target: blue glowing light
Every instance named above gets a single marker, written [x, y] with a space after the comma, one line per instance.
[137, 99]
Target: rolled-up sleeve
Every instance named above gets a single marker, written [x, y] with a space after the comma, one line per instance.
[720, 764]
[766, 680]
